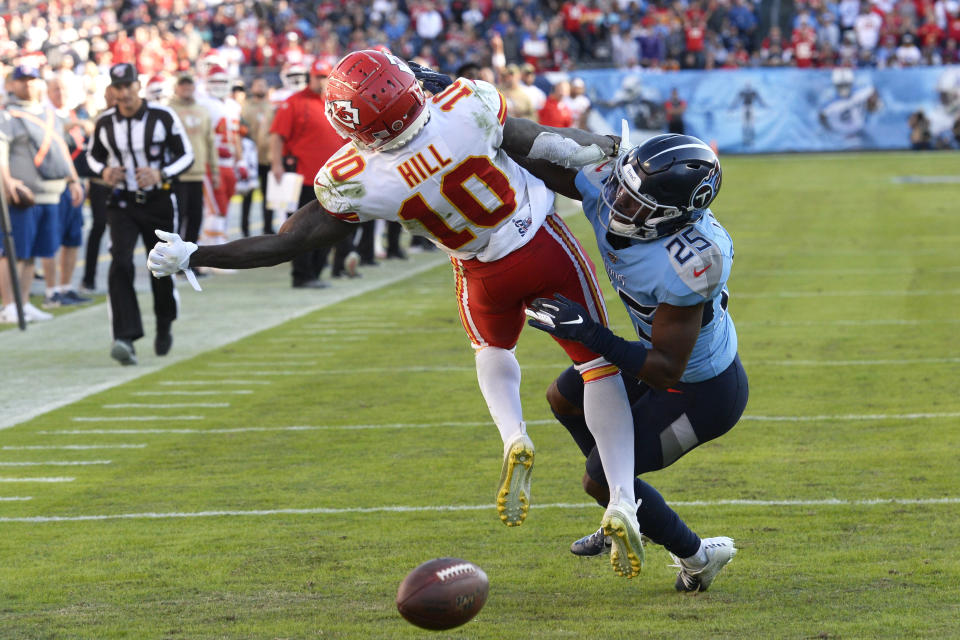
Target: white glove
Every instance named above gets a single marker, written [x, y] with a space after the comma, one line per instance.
[563, 151]
[170, 256]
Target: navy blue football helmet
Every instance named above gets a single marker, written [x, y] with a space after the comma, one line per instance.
[661, 186]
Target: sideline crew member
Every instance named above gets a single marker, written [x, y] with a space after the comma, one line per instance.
[137, 148]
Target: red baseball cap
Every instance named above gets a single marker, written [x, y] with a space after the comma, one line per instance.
[320, 68]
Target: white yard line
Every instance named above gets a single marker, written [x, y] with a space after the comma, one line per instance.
[175, 405]
[15, 498]
[55, 463]
[134, 418]
[37, 479]
[829, 502]
[483, 423]
[70, 447]
[189, 383]
[218, 392]
[261, 363]
[850, 294]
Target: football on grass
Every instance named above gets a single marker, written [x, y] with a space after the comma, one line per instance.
[442, 593]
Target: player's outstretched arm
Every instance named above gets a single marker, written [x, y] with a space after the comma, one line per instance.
[557, 178]
[309, 228]
[568, 147]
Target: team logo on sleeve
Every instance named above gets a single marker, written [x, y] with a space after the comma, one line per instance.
[344, 112]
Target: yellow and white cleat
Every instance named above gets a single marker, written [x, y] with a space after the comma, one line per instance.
[513, 495]
[620, 524]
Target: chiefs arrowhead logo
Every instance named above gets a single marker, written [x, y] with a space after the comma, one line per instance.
[344, 112]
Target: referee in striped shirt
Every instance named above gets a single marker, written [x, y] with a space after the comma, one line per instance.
[137, 148]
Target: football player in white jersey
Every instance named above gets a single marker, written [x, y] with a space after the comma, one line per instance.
[225, 118]
[440, 167]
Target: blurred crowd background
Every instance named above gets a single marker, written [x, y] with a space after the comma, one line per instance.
[82, 38]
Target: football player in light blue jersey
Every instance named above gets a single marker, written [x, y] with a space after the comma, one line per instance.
[669, 260]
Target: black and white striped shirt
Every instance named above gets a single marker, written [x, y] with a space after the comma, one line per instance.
[152, 137]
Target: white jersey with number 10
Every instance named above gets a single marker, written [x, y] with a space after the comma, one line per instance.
[452, 183]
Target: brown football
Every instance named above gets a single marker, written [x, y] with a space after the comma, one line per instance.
[442, 593]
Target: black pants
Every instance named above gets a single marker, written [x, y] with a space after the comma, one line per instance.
[308, 266]
[98, 206]
[394, 229]
[127, 224]
[189, 208]
[262, 171]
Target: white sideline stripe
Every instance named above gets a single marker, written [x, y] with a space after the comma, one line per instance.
[175, 405]
[853, 363]
[221, 392]
[844, 323]
[241, 356]
[304, 336]
[70, 447]
[15, 498]
[840, 294]
[347, 324]
[134, 418]
[56, 463]
[432, 425]
[865, 416]
[181, 383]
[830, 502]
[268, 363]
[37, 479]
[842, 272]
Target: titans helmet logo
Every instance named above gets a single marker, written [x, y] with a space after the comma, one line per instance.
[344, 112]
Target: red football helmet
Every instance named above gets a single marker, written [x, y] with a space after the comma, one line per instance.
[374, 99]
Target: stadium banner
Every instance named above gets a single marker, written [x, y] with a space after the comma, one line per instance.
[774, 110]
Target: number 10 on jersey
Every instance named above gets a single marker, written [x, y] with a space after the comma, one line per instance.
[454, 189]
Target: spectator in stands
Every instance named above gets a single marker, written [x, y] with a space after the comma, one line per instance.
[920, 137]
[519, 102]
[578, 103]
[257, 112]
[555, 112]
[528, 77]
[675, 108]
[35, 168]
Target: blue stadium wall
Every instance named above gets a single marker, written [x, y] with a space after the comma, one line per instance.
[778, 110]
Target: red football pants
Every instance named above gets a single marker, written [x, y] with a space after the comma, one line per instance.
[493, 295]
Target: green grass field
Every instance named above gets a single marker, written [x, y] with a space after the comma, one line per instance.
[347, 446]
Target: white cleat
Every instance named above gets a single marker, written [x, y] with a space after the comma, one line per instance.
[720, 552]
[620, 524]
[513, 496]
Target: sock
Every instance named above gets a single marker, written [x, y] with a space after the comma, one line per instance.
[697, 561]
[163, 327]
[50, 291]
[607, 413]
[661, 524]
[498, 373]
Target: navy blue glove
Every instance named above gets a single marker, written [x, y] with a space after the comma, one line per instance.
[432, 81]
[567, 320]
[562, 318]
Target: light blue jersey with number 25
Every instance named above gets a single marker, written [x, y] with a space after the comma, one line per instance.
[684, 269]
